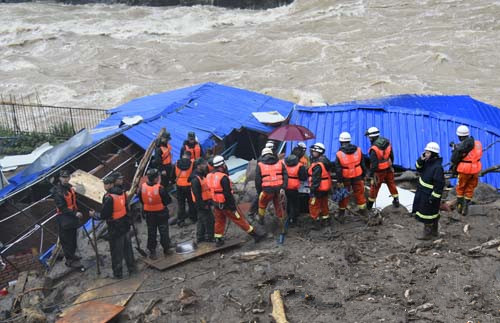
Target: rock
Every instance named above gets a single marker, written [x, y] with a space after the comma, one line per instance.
[187, 297]
[351, 255]
[33, 315]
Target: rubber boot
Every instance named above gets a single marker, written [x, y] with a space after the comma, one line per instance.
[460, 205]
[369, 205]
[257, 237]
[260, 216]
[316, 225]
[219, 242]
[363, 213]
[152, 255]
[434, 229]
[395, 202]
[341, 216]
[465, 209]
[426, 233]
[325, 222]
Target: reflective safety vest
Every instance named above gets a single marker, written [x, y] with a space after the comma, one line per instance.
[195, 151]
[304, 161]
[272, 175]
[326, 178]
[471, 164]
[70, 198]
[183, 175]
[213, 181]
[351, 164]
[293, 176]
[205, 190]
[166, 154]
[383, 156]
[151, 197]
[119, 206]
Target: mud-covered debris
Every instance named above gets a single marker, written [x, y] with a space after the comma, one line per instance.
[487, 245]
[187, 297]
[351, 255]
[33, 315]
[422, 308]
[254, 254]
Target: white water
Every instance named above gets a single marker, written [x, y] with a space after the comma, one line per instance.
[310, 52]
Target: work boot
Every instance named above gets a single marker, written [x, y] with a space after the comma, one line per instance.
[260, 219]
[363, 213]
[152, 255]
[181, 223]
[71, 263]
[434, 229]
[460, 205]
[117, 276]
[219, 242]
[257, 237]
[166, 252]
[316, 225]
[325, 221]
[465, 208]
[395, 202]
[426, 233]
[369, 205]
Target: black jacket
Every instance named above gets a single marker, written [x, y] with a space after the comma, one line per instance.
[348, 149]
[158, 160]
[430, 187]
[461, 150]
[186, 143]
[165, 197]
[196, 189]
[67, 219]
[270, 160]
[316, 175]
[381, 143]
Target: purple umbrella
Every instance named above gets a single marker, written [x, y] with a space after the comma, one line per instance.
[291, 132]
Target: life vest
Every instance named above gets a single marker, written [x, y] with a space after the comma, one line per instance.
[471, 164]
[216, 191]
[70, 198]
[272, 175]
[293, 176]
[119, 206]
[351, 164]
[183, 175]
[304, 161]
[326, 179]
[195, 151]
[383, 156]
[151, 198]
[166, 154]
[205, 190]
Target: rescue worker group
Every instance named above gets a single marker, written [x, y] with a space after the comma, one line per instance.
[202, 182]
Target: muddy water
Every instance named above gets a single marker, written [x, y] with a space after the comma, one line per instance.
[310, 52]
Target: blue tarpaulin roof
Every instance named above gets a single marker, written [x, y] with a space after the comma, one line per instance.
[410, 122]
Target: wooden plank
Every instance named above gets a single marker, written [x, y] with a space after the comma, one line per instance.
[19, 289]
[203, 249]
[88, 185]
[92, 312]
[124, 290]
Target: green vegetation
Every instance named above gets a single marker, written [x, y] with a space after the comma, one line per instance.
[12, 143]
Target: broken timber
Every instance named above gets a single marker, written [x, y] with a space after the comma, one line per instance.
[92, 312]
[87, 185]
[278, 313]
[204, 248]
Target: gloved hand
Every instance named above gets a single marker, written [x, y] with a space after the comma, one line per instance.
[313, 201]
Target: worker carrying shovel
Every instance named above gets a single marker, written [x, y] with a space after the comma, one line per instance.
[114, 211]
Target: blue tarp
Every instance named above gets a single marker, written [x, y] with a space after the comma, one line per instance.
[409, 121]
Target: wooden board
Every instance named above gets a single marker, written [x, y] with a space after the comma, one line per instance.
[124, 288]
[88, 185]
[92, 312]
[175, 259]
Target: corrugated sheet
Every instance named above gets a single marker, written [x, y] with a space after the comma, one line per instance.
[409, 122]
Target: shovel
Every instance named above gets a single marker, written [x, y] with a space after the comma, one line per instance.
[138, 247]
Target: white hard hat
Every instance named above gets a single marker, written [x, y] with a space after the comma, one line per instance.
[463, 131]
[267, 151]
[345, 137]
[318, 147]
[302, 145]
[218, 161]
[372, 132]
[269, 144]
[433, 147]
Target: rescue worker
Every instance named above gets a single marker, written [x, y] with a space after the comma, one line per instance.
[67, 218]
[118, 180]
[350, 170]
[430, 187]
[154, 198]
[191, 145]
[320, 183]
[466, 162]
[300, 151]
[163, 159]
[183, 170]
[224, 204]
[114, 212]
[202, 200]
[270, 178]
[381, 170]
[296, 173]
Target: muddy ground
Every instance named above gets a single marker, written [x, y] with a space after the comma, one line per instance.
[343, 273]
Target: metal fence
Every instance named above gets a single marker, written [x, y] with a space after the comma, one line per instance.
[20, 117]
